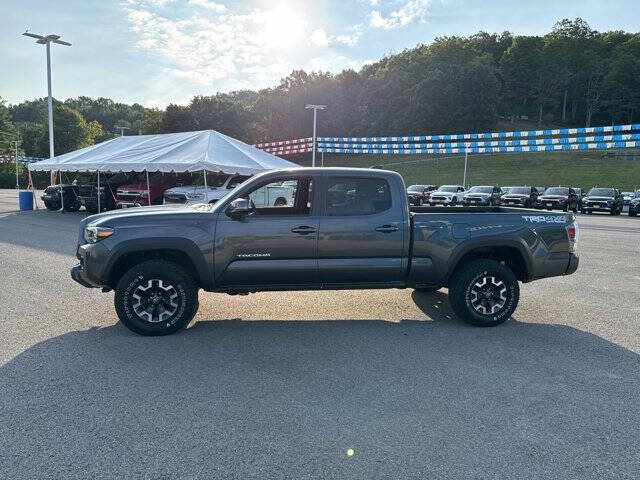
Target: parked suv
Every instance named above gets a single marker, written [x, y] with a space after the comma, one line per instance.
[634, 204]
[520, 197]
[483, 195]
[419, 194]
[603, 199]
[559, 198]
[447, 195]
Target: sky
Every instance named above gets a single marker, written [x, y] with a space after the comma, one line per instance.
[156, 52]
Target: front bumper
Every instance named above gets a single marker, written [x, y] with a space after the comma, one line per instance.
[551, 204]
[476, 201]
[440, 201]
[513, 202]
[79, 274]
[597, 207]
[92, 267]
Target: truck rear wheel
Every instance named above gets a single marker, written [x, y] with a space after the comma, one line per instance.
[51, 206]
[156, 297]
[71, 203]
[484, 293]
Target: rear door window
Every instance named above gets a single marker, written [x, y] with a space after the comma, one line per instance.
[357, 196]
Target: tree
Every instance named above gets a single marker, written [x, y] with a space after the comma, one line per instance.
[7, 131]
[70, 131]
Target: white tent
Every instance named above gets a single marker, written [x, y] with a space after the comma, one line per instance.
[170, 152]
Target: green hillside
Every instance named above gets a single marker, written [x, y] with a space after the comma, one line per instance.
[581, 169]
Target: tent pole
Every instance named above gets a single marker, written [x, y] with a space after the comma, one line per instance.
[148, 189]
[206, 189]
[98, 191]
[61, 194]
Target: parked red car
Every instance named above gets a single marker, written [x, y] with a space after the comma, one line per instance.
[137, 195]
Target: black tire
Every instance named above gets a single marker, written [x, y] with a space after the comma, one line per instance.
[171, 289]
[71, 203]
[632, 214]
[51, 206]
[501, 284]
[91, 208]
[280, 202]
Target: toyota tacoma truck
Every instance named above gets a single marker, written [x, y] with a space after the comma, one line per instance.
[346, 228]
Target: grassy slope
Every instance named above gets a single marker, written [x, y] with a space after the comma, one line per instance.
[619, 168]
[580, 169]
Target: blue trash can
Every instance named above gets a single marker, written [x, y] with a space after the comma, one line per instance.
[25, 199]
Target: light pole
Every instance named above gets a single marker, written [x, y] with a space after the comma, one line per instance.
[15, 144]
[47, 40]
[42, 40]
[315, 109]
[464, 175]
[122, 129]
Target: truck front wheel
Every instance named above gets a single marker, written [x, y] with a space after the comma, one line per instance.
[156, 297]
[484, 293]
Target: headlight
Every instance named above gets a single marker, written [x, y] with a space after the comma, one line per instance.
[95, 234]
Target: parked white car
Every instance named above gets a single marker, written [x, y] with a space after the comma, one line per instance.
[274, 195]
[217, 187]
[447, 195]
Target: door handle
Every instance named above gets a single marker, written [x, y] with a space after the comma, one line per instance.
[387, 228]
[303, 230]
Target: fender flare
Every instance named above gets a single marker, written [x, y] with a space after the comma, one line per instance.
[474, 244]
[183, 245]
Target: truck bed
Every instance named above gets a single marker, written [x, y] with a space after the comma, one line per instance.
[461, 209]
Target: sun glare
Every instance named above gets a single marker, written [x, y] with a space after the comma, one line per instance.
[282, 27]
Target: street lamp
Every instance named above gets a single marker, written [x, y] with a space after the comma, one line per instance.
[315, 109]
[122, 129]
[42, 40]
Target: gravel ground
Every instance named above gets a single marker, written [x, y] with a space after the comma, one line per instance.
[281, 385]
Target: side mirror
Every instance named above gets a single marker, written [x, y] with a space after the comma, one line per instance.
[239, 208]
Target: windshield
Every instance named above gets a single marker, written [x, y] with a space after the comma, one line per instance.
[520, 190]
[480, 190]
[601, 192]
[557, 191]
[448, 188]
[415, 188]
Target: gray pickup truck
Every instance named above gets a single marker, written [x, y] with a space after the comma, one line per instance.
[343, 229]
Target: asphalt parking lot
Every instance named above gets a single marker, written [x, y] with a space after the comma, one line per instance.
[280, 385]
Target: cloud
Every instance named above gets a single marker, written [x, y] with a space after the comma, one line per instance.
[208, 4]
[411, 11]
[320, 38]
[203, 49]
